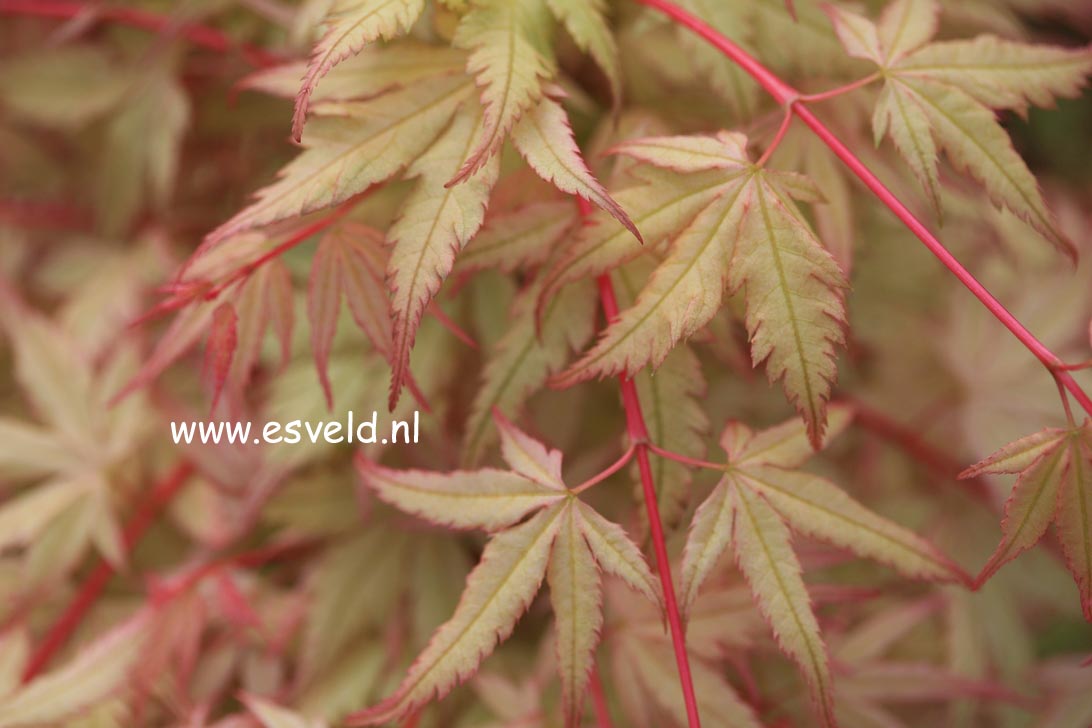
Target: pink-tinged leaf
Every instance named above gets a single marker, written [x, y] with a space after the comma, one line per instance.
[688, 154]
[1017, 456]
[527, 456]
[280, 301]
[183, 333]
[545, 139]
[710, 535]
[1029, 509]
[434, 224]
[323, 304]
[906, 25]
[220, 349]
[252, 310]
[272, 715]
[818, 508]
[353, 146]
[92, 675]
[1074, 518]
[363, 263]
[795, 301]
[509, 67]
[785, 445]
[236, 607]
[764, 554]
[616, 553]
[857, 34]
[576, 594]
[489, 499]
[351, 24]
[498, 592]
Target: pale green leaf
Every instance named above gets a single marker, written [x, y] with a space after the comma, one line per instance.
[529, 457]
[365, 143]
[710, 534]
[434, 224]
[1002, 74]
[616, 553]
[498, 591]
[350, 25]
[545, 139]
[509, 63]
[1019, 455]
[576, 594]
[818, 508]
[487, 498]
[1074, 519]
[684, 292]
[906, 25]
[95, 673]
[764, 554]
[794, 298]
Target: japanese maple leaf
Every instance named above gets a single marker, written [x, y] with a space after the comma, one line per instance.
[760, 496]
[541, 530]
[732, 226]
[941, 95]
[1054, 486]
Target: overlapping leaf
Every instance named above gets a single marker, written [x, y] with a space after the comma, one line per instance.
[562, 540]
[749, 237]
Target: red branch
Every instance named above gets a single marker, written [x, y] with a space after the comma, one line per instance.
[146, 514]
[638, 434]
[599, 700]
[791, 98]
[196, 34]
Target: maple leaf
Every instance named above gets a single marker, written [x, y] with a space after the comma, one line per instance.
[1054, 486]
[354, 145]
[751, 509]
[510, 60]
[750, 236]
[350, 25]
[349, 264]
[940, 95]
[434, 224]
[541, 531]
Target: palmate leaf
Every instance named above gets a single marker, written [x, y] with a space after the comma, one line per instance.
[750, 236]
[562, 540]
[350, 25]
[434, 224]
[941, 95]
[510, 62]
[759, 498]
[356, 144]
[1054, 485]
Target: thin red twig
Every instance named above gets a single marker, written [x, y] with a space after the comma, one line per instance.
[611, 470]
[146, 514]
[196, 34]
[788, 96]
[685, 460]
[638, 433]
